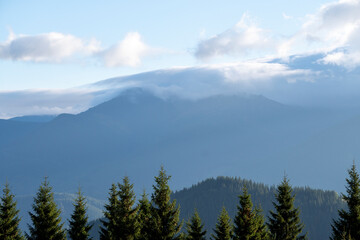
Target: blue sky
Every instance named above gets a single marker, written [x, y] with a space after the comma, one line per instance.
[173, 28]
[57, 45]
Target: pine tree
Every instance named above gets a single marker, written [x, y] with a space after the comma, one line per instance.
[348, 223]
[9, 219]
[195, 228]
[249, 222]
[127, 226]
[111, 213]
[46, 221]
[164, 213]
[144, 215]
[223, 229]
[79, 227]
[285, 224]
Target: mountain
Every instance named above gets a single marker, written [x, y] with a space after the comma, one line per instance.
[136, 132]
[34, 118]
[12, 130]
[317, 207]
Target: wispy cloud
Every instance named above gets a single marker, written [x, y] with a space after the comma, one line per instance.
[242, 39]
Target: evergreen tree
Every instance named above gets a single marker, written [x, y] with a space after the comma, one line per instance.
[182, 236]
[223, 229]
[262, 231]
[348, 223]
[127, 225]
[249, 222]
[195, 228]
[9, 219]
[164, 213]
[284, 223]
[79, 227]
[144, 215]
[46, 221]
[107, 231]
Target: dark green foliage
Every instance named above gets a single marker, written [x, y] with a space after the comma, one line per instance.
[46, 221]
[164, 213]
[9, 219]
[284, 223]
[318, 207]
[195, 229]
[79, 227]
[348, 223]
[262, 231]
[248, 222]
[144, 216]
[120, 221]
[108, 229]
[127, 225]
[223, 229]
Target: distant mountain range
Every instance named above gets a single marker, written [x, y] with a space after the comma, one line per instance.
[136, 132]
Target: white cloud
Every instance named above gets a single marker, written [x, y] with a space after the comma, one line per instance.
[57, 47]
[244, 38]
[335, 25]
[128, 52]
[47, 47]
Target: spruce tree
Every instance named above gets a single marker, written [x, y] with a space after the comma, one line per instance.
[79, 227]
[249, 222]
[195, 229]
[46, 221]
[348, 223]
[127, 225]
[164, 212]
[9, 217]
[111, 213]
[144, 215]
[284, 223]
[223, 229]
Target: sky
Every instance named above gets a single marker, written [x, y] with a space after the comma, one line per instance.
[55, 47]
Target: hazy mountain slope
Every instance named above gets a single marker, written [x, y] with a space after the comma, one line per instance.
[136, 132]
[11, 130]
[326, 155]
[34, 118]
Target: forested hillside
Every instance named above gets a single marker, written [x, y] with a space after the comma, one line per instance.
[318, 207]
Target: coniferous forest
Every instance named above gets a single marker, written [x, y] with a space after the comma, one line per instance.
[260, 212]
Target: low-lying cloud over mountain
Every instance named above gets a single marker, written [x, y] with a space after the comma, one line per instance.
[299, 80]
